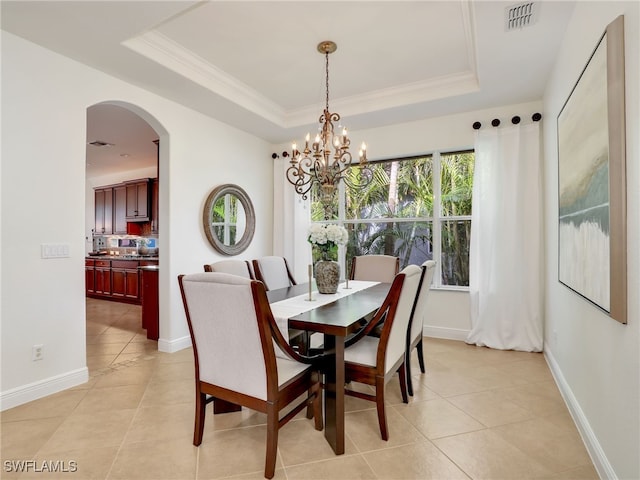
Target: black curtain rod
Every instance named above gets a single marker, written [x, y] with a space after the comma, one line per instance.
[536, 117]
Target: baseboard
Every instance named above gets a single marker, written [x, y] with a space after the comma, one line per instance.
[445, 333]
[598, 457]
[172, 346]
[34, 391]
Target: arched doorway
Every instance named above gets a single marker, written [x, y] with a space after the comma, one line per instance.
[122, 177]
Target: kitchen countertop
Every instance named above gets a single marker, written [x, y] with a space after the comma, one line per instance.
[121, 257]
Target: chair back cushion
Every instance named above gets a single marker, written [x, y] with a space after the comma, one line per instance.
[234, 267]
[417, 319]
[274, 272]
[396, 343]
[225, 332]
[375, 268]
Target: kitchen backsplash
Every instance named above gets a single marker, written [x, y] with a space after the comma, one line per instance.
[125, 244]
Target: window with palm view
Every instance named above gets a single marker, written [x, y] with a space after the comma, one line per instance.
[416, 208]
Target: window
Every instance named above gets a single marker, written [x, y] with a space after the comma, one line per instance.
[416, 208]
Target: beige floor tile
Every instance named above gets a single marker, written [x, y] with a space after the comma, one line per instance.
[99, 362]
[448, 384]
[363, 430]
[540, 398]
[155, 460]
[96, 349]
[138, 374]
[419, 460]
[438, 418]
[553, 441]
[580, 473]
[22, 439]
[233, 452]
[343, 467]
[169, 372]
[162, 423]
[169, 393]
[56, 405]
[244, 418]
[484, 454]
[85, 464]
[120, 397]
[88, 430]
[299, 442]
[491, 408]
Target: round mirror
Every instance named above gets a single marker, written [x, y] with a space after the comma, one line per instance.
[229, 219]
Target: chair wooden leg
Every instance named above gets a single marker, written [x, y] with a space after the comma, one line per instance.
[198, 427]
[402, 372]
[420, 355]
[382, 415]
[310, 405]
[272, 441]
[407, 367]
[317, 408]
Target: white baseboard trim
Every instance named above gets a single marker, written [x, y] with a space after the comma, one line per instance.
[445, 333]
[598, 457]
[172, 346]
[34, 391]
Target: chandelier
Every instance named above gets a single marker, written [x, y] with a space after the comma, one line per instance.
[325, 161]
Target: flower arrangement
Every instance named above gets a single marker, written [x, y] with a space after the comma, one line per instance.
[325, 239]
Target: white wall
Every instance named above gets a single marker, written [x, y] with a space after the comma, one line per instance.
[43, 197]
[595, 359]
[448, 311]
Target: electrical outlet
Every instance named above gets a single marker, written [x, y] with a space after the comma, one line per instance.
[37, 352]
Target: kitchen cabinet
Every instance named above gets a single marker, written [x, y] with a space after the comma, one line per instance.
[102, 278]
[104, 210]
[120, 210]
[138, 199]
[154, 205]
[90, 275]
[124, 279]
[150, 311]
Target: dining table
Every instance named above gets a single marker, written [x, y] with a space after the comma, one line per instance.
[335, 316]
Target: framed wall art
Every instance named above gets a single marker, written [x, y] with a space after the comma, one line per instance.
[592, 181]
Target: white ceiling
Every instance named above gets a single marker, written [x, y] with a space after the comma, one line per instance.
[255, 65]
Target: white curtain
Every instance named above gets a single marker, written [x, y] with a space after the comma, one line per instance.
[506, 251]
[290, 222]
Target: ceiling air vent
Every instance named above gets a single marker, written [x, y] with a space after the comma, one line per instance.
[99, 143]
[520, 15]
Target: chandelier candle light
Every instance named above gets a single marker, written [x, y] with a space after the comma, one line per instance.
[325, 161]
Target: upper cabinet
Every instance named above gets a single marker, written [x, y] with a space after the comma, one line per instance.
[138, 201]
[132, 201]
[104, 210]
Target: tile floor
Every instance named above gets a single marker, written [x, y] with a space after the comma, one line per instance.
[476, 414]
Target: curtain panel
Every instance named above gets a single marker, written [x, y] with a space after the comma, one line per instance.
[506, 251]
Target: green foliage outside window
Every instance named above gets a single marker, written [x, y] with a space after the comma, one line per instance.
[407, 204]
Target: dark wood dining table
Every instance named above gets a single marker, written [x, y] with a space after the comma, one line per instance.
[336, 320]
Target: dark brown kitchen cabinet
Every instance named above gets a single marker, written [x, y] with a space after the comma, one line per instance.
[104, 210]
[103, 277]
[154, 205]
[124, 279]
[120, 210]
[138, 199]
[90, 275]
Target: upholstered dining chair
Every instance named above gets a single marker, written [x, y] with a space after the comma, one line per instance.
[415, 331]
[234, 338]
[241, 268]
[372, 360]
[374, 268]
[274, 272]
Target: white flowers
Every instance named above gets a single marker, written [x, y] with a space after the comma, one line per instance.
[327, 235]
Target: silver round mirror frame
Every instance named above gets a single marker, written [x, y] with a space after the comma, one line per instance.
[244, 242]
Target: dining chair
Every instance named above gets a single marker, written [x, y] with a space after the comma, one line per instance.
[241, 268]
[234, 337]
[374, 361]
[274, 272]
[415, 331]
[374, 268]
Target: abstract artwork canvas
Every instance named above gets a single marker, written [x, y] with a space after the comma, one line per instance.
[592, 227]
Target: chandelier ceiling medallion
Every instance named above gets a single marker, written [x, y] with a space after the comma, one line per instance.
[325, 161]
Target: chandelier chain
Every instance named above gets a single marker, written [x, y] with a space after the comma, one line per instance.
[326, 56]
